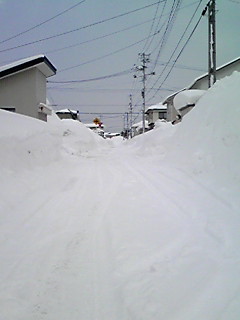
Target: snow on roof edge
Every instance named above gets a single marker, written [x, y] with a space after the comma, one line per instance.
[26, 63]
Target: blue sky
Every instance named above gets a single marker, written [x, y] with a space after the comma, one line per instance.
[77, 56]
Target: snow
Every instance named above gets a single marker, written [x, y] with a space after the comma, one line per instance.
[187, 97]
[20, 62]
[112, 229]
[67, 111]
[158, 106]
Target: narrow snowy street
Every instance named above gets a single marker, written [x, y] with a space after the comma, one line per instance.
[103, 239]
[120, 230]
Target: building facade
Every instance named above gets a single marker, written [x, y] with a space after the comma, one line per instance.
[23, 86]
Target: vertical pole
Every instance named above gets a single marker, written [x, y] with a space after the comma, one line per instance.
[209, 48]
[127, 120]
[144, 89]
[211, 43]
[130, 112]
[124, 127]
[214, 39]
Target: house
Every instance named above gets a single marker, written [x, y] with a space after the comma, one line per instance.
[156, 112]
[68, 114]
[96, 128]
[137, 128]
[225, 70]
[195, 90]
[23, 86]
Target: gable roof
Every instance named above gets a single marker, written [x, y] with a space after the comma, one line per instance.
[235, 61]
[158, 106]
[170, 98]
[40, 61]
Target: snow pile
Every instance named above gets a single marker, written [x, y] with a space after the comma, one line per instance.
[79, 140]
[208, 139]
[144, 229]
[27, 142]
[187, 97]
[153, 142]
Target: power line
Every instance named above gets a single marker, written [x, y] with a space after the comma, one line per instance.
[151, 28]
[101, 89]
[162, 15]
[159, 20]
[94, 79]
[101, 37]
[42, 23]
[87, 105]
[168, 29]
[81, 28]
[180, 66]
[112, 33]
[179, 41]
[181, 51]
[104, 56]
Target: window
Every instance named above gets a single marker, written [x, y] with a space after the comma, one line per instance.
[162, 115]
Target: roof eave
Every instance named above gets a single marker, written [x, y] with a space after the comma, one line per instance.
[41, 62]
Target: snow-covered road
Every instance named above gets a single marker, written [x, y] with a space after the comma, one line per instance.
[146, 229]
[98, 237]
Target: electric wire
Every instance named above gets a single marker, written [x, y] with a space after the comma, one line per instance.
[179, 41]
[98, 38]
[42, 23]
[178, 56]
[94, 79]
[168, 29]
[81, 28]
[151, 28]
[104, 56]
[112, 33]
[159, 20]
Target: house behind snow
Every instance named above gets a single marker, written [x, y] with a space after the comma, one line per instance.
[195, 90]
[68, 114]
[156, 112]
[23, 86]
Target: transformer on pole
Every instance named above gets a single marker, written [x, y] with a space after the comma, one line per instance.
[144, 58]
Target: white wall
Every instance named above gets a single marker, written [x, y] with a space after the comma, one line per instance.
[24, 91]
[202, 84]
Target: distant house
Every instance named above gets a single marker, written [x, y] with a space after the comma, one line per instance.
[137, 128]
[97, 128]
[68, 114]
[174, 112]
[156, 112]
[23, 86]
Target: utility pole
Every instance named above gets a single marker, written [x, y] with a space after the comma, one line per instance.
[211, 42]
[127, 121]
[144, 58]
[131, 114]
[125, 125]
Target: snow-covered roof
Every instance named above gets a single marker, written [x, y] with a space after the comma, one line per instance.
[171, 97]
[158, 106]
[94, 126]
[67, 111]
[140, 124]
[39, 61]
[218, 69]
[187, 97]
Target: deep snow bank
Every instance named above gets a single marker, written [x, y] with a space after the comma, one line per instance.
[154, 142]
[208, 139]
[27, 142]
